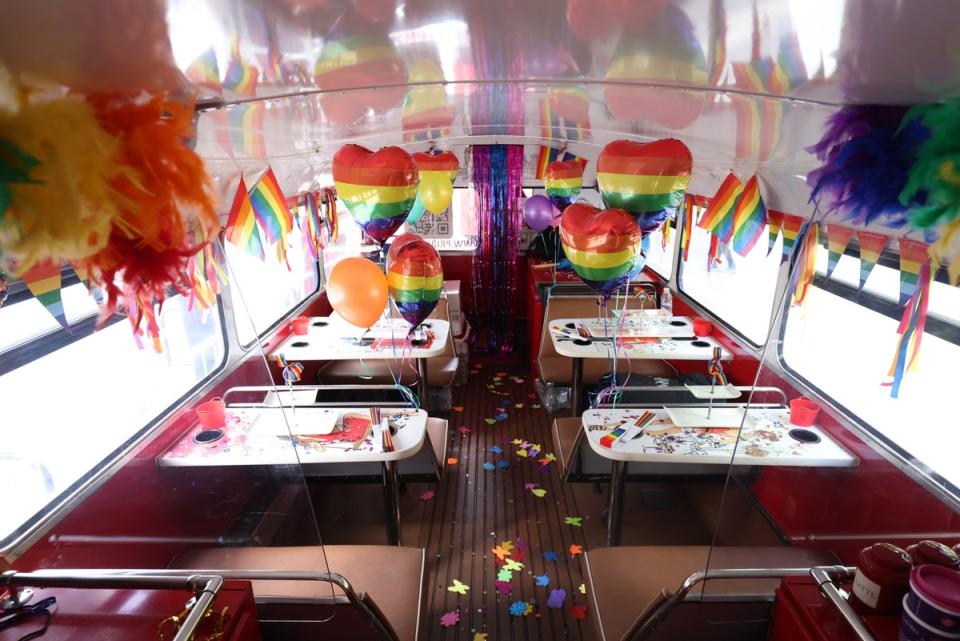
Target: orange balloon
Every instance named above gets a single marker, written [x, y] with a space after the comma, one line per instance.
[357, 290]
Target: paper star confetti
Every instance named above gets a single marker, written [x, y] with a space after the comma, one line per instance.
[576, 549]
[539, 492]
[512, 565]
[522, 453]
[496, 450]
[518, 608]
[464, 430]
[504, 587]
[557, 597]
[450, 619]
[501, 552]
[542, 579]
[578, 612]
[575, 521]
[479, 636]
[458, 587]
[505, 576]
[426, 496]
[550, 556]
[489, 466]
[583, 588]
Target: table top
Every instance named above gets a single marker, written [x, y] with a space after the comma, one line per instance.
[330, 338]
[261, 436]
[765, 440]
[657, 339]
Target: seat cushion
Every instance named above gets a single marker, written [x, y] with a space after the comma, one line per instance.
[629, 582]
[440, 372]
[565, 433]
[393, 577]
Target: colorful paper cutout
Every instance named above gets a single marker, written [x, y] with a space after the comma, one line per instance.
[458, 587]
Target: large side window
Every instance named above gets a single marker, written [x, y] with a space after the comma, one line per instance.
[842, 343]
[67, 411]
[660, 251]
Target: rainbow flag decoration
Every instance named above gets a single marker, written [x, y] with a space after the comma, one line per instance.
[718, 43]
[871, 246]
[43, 281]
[837, 240]
[427, 113]
[687, 227]
[604, 248]
[240, 77]
[718, 218]
[314, 235]
[665, 235]
[641, 178]
[749, 217]
[204, 71]
[791, 229]
[807, 264]
[774, 224]
[547, 156]
[414, 277]
[563, 180]
[911, 328]
[242, 223]
[271, 211]
[913, 255]
[245, 122]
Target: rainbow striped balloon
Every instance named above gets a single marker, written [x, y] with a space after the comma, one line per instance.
[414, 276]
[563, 180]
[359, 61]
[647, 180]
[604, 247]
[378, 188]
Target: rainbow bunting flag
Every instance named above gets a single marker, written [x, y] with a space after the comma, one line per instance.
[204, 71]
[245, 122]
[837, 240]
[749, 217]
[240, 77]
[913, 255]
[43, 281]
[718, 43]
[665, 235]
[774, 224]
[871, 246]
[718, 219]
[911, 329]
[270, 208]
[314, 238]
[547, 155]
[242, 223]
[806, 266]
[687, 227]
[791, 229]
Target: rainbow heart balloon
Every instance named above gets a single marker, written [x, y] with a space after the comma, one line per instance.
[414, 277]
[359, 61]
[562, 181]
[647, 180]
[437, 173]
[377, 187]
[604, 247]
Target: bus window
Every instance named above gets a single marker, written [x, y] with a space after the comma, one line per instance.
[738, 289]
[660, 254]
[844, 348]
[46, 448]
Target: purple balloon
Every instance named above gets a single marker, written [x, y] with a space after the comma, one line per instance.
[538, 212]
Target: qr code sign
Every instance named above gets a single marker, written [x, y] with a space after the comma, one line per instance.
[430, 226]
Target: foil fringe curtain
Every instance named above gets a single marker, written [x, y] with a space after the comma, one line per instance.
[498, 181]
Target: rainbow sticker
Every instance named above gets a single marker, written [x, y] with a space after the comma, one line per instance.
[604, 247]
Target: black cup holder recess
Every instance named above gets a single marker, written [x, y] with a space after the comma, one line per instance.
[320, 323]
[684, 338]
[208, 436]
[677, 323]
[700, 344]
[299, 344]
[571, 325]
[804, 436]
[426, 325]
[417, 342]
[582, 341]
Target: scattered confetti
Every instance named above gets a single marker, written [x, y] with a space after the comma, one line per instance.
[489, 421]
[518, 608]
[450, 619]
[550, 556]
[501, 416]
[489, 466]
[533, 452]
[578, 612]
[583, 589]
[530, 486]
[465, 430]
[501, 374]
[512, 565]
[539, 492]
[505, 575]
[575, 521]
[576, 549]
[457, 408]
[496, 450]
[504, 587]
[522, 453]
[426, 496]
[551, 457]
[557, 597]
[517, 441]
[503, 465]
[542, 579]
[519, 406]
[507, 545]
[479, 636]
[521, 544]
[458, 587]
[535, 406]
[496, 378]
[452, 461]
[501, 552]
[519, 555]
[532, 396]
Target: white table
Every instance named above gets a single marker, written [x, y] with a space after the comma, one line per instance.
[658, 339]
[285, 436]
[330, 338]
[765, 440]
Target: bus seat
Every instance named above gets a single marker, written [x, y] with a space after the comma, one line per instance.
[573, 454]
[556, 369]
[628, 583]
[441, 369]
[392, 577]
[432, 457]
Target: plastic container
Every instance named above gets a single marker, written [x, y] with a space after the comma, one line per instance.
[913, 628]
[933, 553]
[702, 327]
[882, 579]
[666, 303]
[934, 597]
[301, 326]
[803, 411]
[213, 413]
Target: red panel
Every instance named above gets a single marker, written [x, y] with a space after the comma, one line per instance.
[801, 614]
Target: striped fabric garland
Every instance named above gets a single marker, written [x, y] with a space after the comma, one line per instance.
[43, 281]
[871, 246]
[837, 240]
[718, 218]
[604, 247]
[749, 217]
[270, 209]
[643, 178]
[806, 264]
[913, 255]
[774, 225]
[688, 214]
[563, 180]
[242, 223]
[791, 229]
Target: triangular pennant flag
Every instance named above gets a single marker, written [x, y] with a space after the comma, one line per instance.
[205, 71]
[791, 228]
[913, 255]
[837, 240]
[871, 246]
[718, 219]
[43, 281]
[240, 76]
[749, 218]
[242, 223]
[774, 224]
[806, 264]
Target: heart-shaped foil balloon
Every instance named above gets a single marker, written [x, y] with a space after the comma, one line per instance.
[437, 173]
[377, 187]
[369, 60]
[604, 247]
[562, 181]
[414, 276]
[647, 180]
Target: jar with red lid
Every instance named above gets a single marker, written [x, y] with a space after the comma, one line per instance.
[883, 577]
[933, 553]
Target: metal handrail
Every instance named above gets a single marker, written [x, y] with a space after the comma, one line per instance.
[205, 587]
[681, 388]
[382, 630]
[297, 388]
[824, 577]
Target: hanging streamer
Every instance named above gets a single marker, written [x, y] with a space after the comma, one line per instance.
[837, 240]
[911, 329]
[913, 255]
[871, 247]
[687, 227]
[749, 218]
[806, 264]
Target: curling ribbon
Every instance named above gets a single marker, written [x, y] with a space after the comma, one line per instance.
[911, 329]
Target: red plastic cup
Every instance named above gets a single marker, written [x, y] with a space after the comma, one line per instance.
[212, 413]
[803, 411]
[300, 326]
[702, 327]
